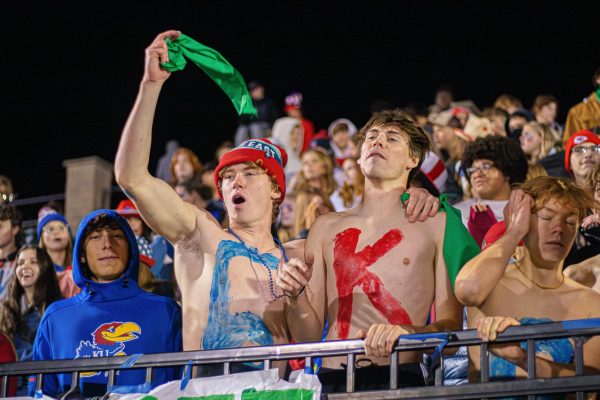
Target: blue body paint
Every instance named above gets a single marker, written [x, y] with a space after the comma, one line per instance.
[559, 350]
[226, 330]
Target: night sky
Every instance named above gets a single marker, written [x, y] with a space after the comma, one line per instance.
[70, 71]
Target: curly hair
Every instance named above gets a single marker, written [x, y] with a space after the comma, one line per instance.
[47, 291]
[505, 153]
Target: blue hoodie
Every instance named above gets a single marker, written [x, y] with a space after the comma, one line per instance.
[107, 319]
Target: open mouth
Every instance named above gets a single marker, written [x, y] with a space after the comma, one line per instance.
[555, 244]
[238, 199]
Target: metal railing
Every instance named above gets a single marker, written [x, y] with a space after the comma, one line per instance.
[579, 330]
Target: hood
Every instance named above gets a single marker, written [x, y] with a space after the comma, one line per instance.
[351, 127]
[282, 128]
[131, 270]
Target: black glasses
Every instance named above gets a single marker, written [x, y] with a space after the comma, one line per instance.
[484, 168]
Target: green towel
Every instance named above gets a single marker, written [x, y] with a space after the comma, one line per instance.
[214, 65]
[459, 245]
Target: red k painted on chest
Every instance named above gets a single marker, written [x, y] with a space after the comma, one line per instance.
[351, 270]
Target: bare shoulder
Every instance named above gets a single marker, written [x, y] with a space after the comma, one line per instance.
[295, 248]
[207, 230]
[328, 221]
[436, 225]
[585, 296]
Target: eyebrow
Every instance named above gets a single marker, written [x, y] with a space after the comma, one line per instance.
[387, 131]
[557, 211]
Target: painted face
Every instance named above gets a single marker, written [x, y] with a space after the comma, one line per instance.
[106, 253]
[183, 168]
[248, 193]
[7, 233]
[584, 157]
[488, 182]
[312, 166]
[351, 170]
[341, 138]
[385, 153]
[547, 114]
[552, 232]
[442, 136]
[531, 140]
[136, 224]
[55, 236]
[28, 269]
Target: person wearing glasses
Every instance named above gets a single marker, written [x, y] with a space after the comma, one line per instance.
[581, 155]
[491, 164]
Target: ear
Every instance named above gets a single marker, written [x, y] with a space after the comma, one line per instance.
[412, 162]
[275, 195]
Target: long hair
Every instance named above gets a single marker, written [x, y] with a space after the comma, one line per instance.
[550, 140]
[350, 190]
[47, 291]
[68, 251]
[327, 181]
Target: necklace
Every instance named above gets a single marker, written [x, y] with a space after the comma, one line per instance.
[537, 284]
[272, 294]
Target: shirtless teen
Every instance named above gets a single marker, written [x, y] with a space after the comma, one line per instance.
[370, 269]
[226, 277]
[501, 291]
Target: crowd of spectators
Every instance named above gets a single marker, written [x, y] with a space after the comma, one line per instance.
[478, 159]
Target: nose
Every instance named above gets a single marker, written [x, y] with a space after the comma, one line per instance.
[559, 227]
[238, 180]
[379, 140]
[106, 241]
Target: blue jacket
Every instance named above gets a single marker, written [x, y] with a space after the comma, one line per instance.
[107, 319]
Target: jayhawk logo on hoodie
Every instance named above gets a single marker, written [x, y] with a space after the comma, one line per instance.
[108, 340]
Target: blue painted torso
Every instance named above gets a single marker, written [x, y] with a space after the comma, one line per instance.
[224, 329]
[559, 350]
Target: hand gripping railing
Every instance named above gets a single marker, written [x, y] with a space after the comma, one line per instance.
[579, 330]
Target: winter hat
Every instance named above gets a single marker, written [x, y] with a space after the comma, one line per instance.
[47, 215]
[264, 153]
[126, 208]
[293, 101]
[351, 127]
[578, 138]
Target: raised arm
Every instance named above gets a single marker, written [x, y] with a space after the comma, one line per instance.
[478, 278]
[158, 203]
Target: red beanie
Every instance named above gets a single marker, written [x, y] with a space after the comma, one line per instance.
[578, 138]
[264, 153]
[126, 208]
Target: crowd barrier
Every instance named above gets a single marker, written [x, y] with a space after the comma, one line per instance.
[579, 330]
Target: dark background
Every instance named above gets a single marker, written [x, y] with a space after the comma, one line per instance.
[70, 71]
